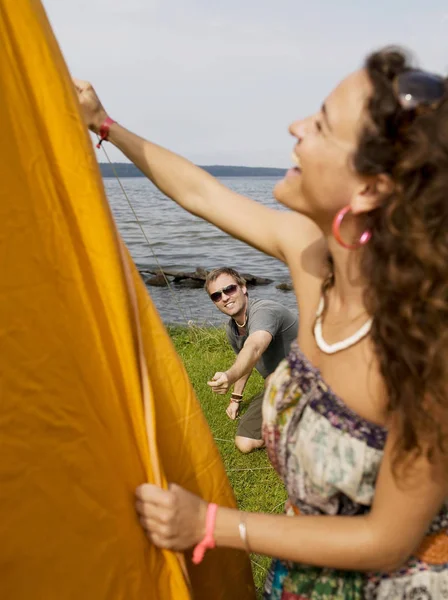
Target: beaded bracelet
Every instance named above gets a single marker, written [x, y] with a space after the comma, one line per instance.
[235, 400]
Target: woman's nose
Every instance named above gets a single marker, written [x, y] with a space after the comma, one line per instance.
[298, 129]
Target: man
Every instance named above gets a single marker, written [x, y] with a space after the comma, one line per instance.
[260, 332]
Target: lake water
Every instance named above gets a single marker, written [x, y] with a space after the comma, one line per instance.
[181, 241]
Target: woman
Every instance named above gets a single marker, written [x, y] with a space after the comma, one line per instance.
[355, 419]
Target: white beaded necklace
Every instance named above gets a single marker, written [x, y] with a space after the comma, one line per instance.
[338, 346]
[243, 325]
[245, 320]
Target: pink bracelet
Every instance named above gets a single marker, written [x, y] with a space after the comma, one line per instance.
[104, 130]
[208, 542]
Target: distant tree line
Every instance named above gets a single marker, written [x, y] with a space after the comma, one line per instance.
[130, 170]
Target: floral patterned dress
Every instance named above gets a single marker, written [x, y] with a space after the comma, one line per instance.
[329, 458]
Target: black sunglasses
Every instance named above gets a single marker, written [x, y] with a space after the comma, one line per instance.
[229, 290]
[416, 88]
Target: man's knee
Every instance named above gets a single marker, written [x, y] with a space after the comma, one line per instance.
[246, 445]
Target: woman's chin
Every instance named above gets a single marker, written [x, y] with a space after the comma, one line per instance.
[287, 191]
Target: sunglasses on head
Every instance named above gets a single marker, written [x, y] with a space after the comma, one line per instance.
[229, 290]
[416, 88]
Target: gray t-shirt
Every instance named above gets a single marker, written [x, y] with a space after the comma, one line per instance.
[270, 316]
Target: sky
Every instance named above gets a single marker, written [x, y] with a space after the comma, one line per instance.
[220, 81]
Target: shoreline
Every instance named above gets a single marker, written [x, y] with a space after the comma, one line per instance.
[123, 170]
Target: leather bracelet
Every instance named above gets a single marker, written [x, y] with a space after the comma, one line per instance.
[208, 541]
[235, 400]
[104, 130]
[237, 396]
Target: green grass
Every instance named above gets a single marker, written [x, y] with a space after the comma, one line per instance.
[256, 485]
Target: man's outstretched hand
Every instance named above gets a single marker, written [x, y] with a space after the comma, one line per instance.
[219, 383]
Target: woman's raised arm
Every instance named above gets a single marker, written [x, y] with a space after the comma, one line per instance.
[272, 231]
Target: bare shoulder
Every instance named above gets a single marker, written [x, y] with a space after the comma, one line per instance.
[303, 246]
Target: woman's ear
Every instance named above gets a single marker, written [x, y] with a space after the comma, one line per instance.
[371, 193]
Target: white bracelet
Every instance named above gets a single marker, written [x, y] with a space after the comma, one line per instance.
[242, 528]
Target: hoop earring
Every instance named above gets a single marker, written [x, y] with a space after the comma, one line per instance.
[336, 228]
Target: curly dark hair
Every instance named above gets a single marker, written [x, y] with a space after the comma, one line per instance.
[406, 261]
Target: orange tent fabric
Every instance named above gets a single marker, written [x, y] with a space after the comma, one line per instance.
[93, 398]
